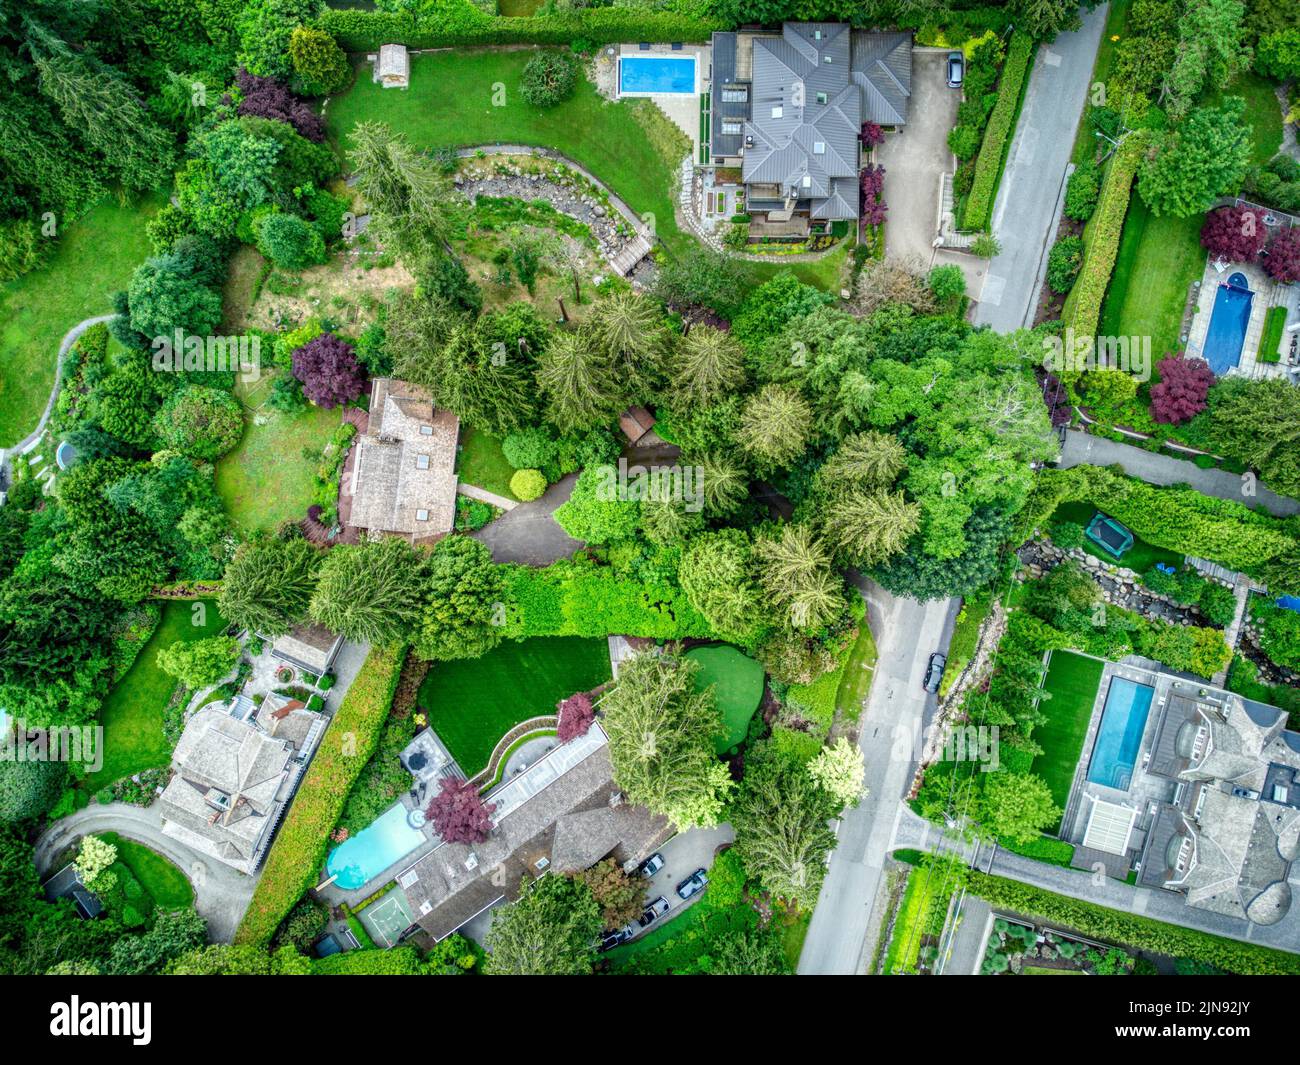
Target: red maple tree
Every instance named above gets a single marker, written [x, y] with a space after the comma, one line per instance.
[459, 814]
[1180, 394]
[1282, 260]
[1235, 233]
[576, 715]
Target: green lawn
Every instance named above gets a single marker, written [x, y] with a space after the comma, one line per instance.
[482, 464]
[164, 882]
[1158, 259]
[267, 478]
[920, 896]
[1072, 680]
[132, 714]
[974, 609]
[1140, 557]
[1263, 113]
[737, 682]
[1116, 22]
[604, 137]
[1036, 970]
[855, 681]
[94, 258]
[472, 703]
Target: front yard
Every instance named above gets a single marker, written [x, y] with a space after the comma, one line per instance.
[472, 703]
[481, 462]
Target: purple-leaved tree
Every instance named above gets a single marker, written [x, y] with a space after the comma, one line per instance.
[1180, 394]
[329, 371]
[459, 814]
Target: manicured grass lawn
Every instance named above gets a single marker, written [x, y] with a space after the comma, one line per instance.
[909, 927]
[472, 703]
[132, 714]
[94, 258]
[1140, 557]
[601, 135]
[1034, 970]
[482, 463]
[158, 876]
[964, 635]
[1158, 259]
[737, 682]
[267, 478]
[1263, 113]
[1072, 680]
[855, 681]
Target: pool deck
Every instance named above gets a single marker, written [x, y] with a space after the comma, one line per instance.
[1267, 294]
[682, 109]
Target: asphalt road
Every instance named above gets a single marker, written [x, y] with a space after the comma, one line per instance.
[1024, 215]
[897, 711]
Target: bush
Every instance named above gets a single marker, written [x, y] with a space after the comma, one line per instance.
[200, 423]
[1081, 192]
[1182, 390]
[1067, 534]
[547, 79]
[529, 449]
[1103, 242]
[964, 142]
[1063, 263]
[988, 167]
[289, 242]
[318, 62]
[528, 485]
[948, 284]
[299, 848]
[1236, 234]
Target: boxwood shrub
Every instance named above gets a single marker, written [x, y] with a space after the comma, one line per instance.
[299, 849]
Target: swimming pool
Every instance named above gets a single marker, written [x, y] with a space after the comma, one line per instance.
[1289, 602]
[1123, 719]
[652, 75]
[1228, 321]
[384, 842]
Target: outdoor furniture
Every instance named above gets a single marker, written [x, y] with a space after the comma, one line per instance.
[1109, 535]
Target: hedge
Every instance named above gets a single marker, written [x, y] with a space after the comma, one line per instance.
[299, 850]
[1175, 517]
[1083, 310]
[1131, 930]
[459, 23]
[988, 167]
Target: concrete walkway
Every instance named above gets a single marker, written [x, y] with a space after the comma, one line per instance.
[1083, 449]
[529, 534]
[1031, 184]
[29, 441]
[221, 894]
[484, 496]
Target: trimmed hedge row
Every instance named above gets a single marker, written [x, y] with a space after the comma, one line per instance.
[1175, 517]
[299, 849]
[1142, 933]
[1083, 309]
[988, 167]
[460, 23]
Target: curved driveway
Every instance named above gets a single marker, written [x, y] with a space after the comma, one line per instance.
[220, 893]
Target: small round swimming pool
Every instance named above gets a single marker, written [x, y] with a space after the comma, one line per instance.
[1238, 280]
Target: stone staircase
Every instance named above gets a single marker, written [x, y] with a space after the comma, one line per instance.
[947, 220]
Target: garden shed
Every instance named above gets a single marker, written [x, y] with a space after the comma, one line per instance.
[393, 67]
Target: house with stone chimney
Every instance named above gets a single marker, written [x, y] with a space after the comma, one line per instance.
[235, 770]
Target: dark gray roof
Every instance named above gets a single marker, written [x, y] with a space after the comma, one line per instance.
[723, 109]
[882, 67]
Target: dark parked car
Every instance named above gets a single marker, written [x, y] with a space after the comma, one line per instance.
[652, 865]
[956, 68]
[692, 885]
[934, 671]
[654, 911]
[613, 939]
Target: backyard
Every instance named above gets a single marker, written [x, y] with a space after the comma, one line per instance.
[132, 715]
[481, 462]
[93, 259]
[1072, 681]
[472, 703]
[737, 682]
[1139, 558]
[269, 477]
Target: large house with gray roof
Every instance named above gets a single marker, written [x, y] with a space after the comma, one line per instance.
[788, 110]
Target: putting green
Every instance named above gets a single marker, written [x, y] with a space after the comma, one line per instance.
[737, 686]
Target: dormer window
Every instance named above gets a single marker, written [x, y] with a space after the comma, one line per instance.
[421, 462]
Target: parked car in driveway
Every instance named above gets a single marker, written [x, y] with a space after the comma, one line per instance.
[693, 884]
[934, 671]
[956, 67]
[652, 865]
[613, 939]
[654, 911]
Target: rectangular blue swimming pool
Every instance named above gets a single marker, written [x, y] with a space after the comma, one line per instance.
[1228, 321]
[384, 842]
[651, 75]
[1123, 720]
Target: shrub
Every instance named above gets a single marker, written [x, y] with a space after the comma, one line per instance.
[1067, 534]
[318, 62]
[988, 167]
[299, 848]
[200, 423]
[576, 713]
[1103, 243]
[1063, 263]
[964, 142]
[528, 485]
[986, 246]
[269, 98]
[1218, 604]
[289, 242]
[1282, 259]
[948, 284]
[1081, 192]
[1236, 234]
[529, 449]
[547, 79]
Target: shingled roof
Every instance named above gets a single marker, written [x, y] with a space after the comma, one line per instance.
[404, 480]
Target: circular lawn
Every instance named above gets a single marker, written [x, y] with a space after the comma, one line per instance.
[737, 682]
